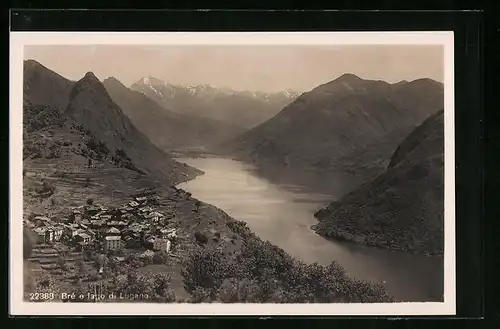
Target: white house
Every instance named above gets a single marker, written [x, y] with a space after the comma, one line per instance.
[112, 242]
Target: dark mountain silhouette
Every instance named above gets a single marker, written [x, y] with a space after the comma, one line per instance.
[167, 129]
[337, 119]
[244, 109]
[402, 209]
[42, 86]
[92, 107]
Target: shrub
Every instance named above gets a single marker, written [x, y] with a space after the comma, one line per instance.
[97, 146]
[47, 189]
[206, 270]
[200, 237]
[161, 257]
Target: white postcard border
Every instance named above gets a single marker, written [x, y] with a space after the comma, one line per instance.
[19, 39]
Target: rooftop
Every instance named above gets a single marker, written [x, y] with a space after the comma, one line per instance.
[84, 235]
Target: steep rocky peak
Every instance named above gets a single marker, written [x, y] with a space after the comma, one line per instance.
[91, 85]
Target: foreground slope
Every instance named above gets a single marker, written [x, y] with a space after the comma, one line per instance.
[402, 209]
[91, 106]
[41, 86]
[338, 118]
[167, 129]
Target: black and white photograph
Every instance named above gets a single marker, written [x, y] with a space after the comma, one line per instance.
[232, 173]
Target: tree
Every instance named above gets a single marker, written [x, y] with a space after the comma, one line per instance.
[90, 201]
[205, 269]
[162, 288]
[201, 238]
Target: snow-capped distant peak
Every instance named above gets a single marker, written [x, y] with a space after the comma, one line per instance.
[153, 84]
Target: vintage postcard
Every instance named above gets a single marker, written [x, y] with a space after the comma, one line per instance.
[232, 173]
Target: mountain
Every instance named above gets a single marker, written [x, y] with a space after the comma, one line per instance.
[239, 108]
[167, 129]
[41, 86]
[339, 118]
[92, 107]
[402, 209]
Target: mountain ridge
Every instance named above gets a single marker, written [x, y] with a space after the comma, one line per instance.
[91, 106]
[167, 129]
[402, 209]
[239, 108]
[347, 114]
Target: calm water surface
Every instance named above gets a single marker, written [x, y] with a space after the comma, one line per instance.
[282, 213]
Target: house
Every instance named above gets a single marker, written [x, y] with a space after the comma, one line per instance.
[162, 244]
[112, 242]
[83, 238]
[76, 215]
[141, 199]
[156, 216]
[41, 220]
[96, 223]
[133, 204]
[93, 209]
[105, 217]
[132, 241]
[92, 233]
[168, 233]
[145, 209]
[58, 232]
[147, 254]
[112, 231]
[40, 234]
[50, 234]
[69, 230]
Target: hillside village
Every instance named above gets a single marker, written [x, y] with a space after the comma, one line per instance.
[91, 241]
[95, 227]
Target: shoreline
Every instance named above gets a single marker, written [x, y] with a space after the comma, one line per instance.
[379, 242]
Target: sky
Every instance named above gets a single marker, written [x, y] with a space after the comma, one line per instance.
[243, 67]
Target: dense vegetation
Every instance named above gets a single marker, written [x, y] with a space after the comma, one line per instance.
[264, 273]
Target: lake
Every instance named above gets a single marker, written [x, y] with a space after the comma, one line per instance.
[280, 209]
